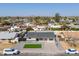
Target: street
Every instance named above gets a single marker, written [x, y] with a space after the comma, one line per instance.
[33, 54]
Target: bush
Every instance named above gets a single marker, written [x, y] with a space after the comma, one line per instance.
[6, 23]
[29, 29]
[75, 29]
[55, 29]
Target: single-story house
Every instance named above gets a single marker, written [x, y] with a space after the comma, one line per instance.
[74, 26]
[41, 28]
[77, 22]
[55, 26]
[7, 35]
[50, 24]
[68, 21]
[62, 20]
[13, 28]
[4, 28]
[35, 28]
[29, 24]
[39, 35]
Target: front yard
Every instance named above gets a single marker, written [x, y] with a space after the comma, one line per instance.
[33, 46]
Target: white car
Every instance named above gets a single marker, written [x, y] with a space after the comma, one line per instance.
[11, 51]
[71, 51]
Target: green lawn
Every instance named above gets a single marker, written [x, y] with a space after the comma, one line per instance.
[32, 46]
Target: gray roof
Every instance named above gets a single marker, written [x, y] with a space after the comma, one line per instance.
[76, 26]
[40, 34]
[7, 35]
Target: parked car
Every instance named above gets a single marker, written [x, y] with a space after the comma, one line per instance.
[12, 51]
[71, 51]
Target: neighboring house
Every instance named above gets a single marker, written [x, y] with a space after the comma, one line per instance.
[75, 26]
[50, 23]
[77, 22]
[19, 20]
[41, 28]
[13, 28]
[23, 27]
[29, 24]
[7, 35]
[40, 35]
[26, 20]
[55, 26]
[35, 28]
[62, 20]
[4, 28]
[68, 21]
[71, 25]
[1, 25]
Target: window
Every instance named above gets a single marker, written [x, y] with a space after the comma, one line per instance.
[72, 50]
[50, 39]
[12, 49]
[9, 50]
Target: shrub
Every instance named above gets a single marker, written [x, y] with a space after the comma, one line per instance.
[75, 29]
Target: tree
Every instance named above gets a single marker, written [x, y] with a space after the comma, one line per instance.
[6, 23]
[65, 18]
[65, 27]
[57, 17]
[29, 28]
[36, 20]
[76, 18]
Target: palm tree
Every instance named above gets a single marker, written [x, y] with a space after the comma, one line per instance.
[65, 18]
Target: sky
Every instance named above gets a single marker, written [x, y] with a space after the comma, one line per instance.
[39, 9]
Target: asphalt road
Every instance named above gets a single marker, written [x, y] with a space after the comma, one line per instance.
[41, 54]
[33, 54]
